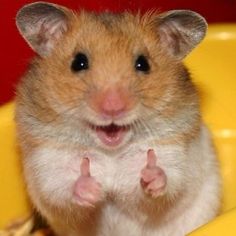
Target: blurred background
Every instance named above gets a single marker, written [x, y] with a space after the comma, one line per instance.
[15, 53]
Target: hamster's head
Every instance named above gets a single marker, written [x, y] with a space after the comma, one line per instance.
[112, 76]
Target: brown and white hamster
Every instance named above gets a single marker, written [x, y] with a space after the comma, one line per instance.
[109, 125]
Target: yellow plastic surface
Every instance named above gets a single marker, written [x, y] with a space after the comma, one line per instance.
[213, 66]
[13, 203]
[223, 225]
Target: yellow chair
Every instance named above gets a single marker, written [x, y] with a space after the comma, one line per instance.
[213, 66]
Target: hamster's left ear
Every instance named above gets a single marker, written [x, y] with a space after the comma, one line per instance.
[42, 25]
[180, 31]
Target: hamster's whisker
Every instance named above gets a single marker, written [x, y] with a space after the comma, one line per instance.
[143, 124]
[150, 98]
[144, 89]
[155, 112]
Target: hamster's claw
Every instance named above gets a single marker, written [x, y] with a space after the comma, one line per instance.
[153, 178]
[87, 190]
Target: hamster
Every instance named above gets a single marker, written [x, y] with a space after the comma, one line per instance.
[108, 122]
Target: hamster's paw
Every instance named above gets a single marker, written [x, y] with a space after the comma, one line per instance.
[87, 191]
[153, 178]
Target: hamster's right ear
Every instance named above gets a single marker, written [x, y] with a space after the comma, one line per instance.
[180, 31]
[42, 25]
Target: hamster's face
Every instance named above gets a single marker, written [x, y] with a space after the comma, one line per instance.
[114, 76]
[109, 77]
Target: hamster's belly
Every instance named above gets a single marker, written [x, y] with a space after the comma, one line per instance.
[115, 222]
[51, 173]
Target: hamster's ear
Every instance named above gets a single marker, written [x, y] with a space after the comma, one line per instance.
[180, 31]
[42, 24]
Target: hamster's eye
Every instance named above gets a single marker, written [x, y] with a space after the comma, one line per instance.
[142, 64]
[80, 62]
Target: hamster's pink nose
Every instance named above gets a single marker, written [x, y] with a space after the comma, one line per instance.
[113, 103]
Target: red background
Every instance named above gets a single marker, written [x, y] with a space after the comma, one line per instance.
[15, 53]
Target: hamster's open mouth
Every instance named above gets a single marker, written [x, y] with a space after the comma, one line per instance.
[111, 135]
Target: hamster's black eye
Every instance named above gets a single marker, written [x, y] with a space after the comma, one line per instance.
[80, 62]
[142, 64]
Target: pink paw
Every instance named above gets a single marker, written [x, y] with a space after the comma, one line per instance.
[87, 190]
[153, 178]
